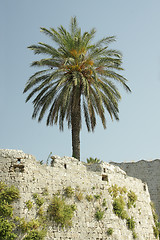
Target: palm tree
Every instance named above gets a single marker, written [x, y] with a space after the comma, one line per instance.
[93, 160]
[78, 76]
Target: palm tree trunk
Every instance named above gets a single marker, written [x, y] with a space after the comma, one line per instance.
[76, 123]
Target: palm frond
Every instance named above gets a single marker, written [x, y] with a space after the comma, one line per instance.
[105, 41]
[73, 26]
[77, 68]
[86, 115]
[36, 78]
[46, 31]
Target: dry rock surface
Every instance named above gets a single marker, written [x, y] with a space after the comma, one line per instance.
[96, 180]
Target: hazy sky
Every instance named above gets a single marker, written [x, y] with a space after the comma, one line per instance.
[136, 24]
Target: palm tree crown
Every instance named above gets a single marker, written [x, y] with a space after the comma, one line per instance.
[77, 76]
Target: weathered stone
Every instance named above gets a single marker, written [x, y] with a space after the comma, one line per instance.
[23, 171]
[149, 173]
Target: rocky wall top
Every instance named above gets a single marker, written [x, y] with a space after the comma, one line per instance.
[23, 171]
[147, 171]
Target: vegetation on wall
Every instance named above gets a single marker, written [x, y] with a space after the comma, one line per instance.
[109, 231]
[104, 203]
[114, 190]
[35, 235]
[89, 198]
[120, 206]
[7, 224]
[99, 214]
[58, 210]
[79, 195]
[156, 227]
[69, 191]
[29, 204]
[132, 198]
[38, 200]
[93, 160]
[12, 226]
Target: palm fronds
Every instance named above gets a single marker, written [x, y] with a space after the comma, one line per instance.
[76, 72]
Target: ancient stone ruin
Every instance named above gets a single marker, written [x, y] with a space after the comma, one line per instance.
[148, 172]
[97, 184]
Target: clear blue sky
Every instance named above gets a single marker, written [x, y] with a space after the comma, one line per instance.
[136, 25]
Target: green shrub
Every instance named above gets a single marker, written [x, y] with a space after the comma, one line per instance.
[118, 207]
[38, 200]
[69, 191]
[60, 212]
[32, 229]
[156, 228]
[79, 196]
[123, 190]
[28, 226]
[40, 211]
[134, 235]
[97, 196]
[6, 209]
[35, 195]
[93, 160]
[155, 231]
[99, 214]
[114, 190]
[6, 229]
[155, 216]
[139, 211]
[10, 224]
[41, 162]
[130, 223]
[73, 207]
[104, 203]
[2, 186]
[110, 231]
[35, 235]
[132, 198]
[45, 192]
[29, 204]
[8, 194]
[89, 198]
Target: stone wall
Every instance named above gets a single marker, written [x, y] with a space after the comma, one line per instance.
[149, 172]
[23, 171]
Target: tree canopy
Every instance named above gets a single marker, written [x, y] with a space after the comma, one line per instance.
[78, 76]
